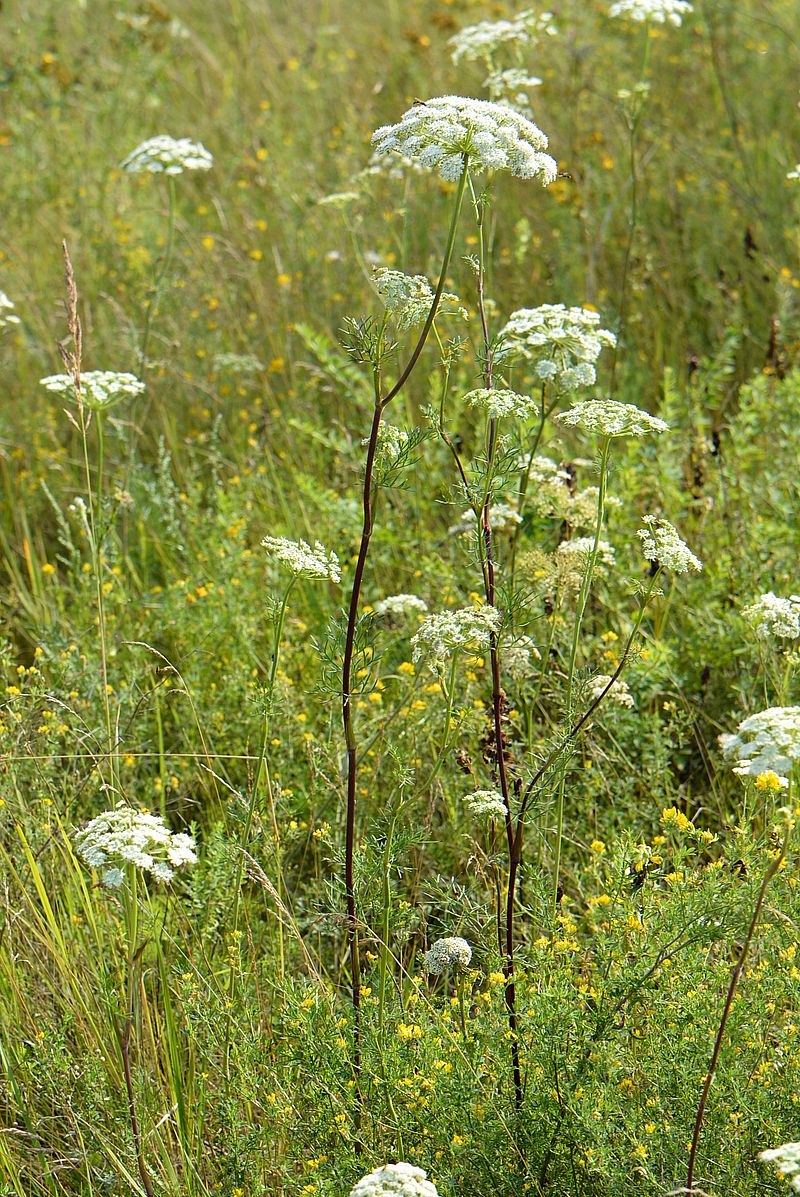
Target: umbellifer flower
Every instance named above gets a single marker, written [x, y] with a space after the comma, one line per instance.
[395, 1180]
[409, 298]
[446, 132]
[618, 693]
[607, 417]
[124, 836]
[7, 314]
[444, 633]
[766, 742]
[774, 616]
[481, 41]
[166, 155]
[498, 403]
[447, 955]
[662, 544]
[303, 561]
[502, 518]
[562, 344]
[482, 804]
[786, 1159]
[400, 604]
[660, 11]
[99, 389]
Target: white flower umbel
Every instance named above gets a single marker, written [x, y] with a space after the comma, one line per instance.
[7, 314]
[445, 132]
[486, 804]
[511, 87]
[447, 632]
[99, 389]
[607, 417]
[502, 518]
[794, 174]
[575, 553]
[166, 155]
[395, 1180]
[660, 11]
[618, 693]
[124, 836]
[409, 297]
[773, 616]
[562, 344]
[390, 443]
[238, 363]
[482, 41]
[398, 605]
[766, 742]
[447, 955]
[519, 656]
[786, 1159]
[662, 544]
[302, 560]
[498, 403]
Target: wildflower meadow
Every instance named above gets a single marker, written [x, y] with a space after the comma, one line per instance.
[400, 647]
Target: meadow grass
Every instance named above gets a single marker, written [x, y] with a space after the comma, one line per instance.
[276, 1019]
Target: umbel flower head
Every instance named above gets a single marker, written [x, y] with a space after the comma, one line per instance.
[447, 955]
[395, 1180]
[124, 836]
[483, 40]
[502, 518]
[303, 561]
[443, 133]
[498, 403]
[99, 389]
[168, 156]
[660, 11]
[485, 804]
[607, 417]
[662, 544]
[7, 314]
[446, 632]
[397, 605]
[562, 344]
[409, 297]
[773, 616]
[766, 742]
[786, 1159]
[618, 692]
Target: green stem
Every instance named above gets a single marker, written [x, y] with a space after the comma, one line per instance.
[155, 295]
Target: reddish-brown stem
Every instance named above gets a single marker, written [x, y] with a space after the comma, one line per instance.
[124, 1045]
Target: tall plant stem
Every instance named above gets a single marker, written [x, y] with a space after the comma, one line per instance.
[351, 741]
[155, 295]
[132, 930]
[583, 597]
[772, 869]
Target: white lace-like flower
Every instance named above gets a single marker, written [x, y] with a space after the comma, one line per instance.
[562, 344]
[502, 518]
[486, 804]
[409, 298]
[99, 389]
[447, 632]
[124, 836]
[397, 605]
[238, 363]
[166, 155]
[519, 656]
[607, 417]
[661, 543]
[395, 1180]
[7, 314]
[390, 443]
[498, 403]
[394, 166]
[618, 693]
[511, 87]
[660, 11]
[766, 742]
[786, 1159]
[774, 616]
[442, 133]
[447, 955]
[794, 174]
[303, 561]
[483, 40]
[575, 554]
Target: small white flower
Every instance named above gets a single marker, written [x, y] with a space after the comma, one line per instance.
[238, 363]
[390, 443]
[661, 543]
[397, 605]
[303, 561]
[7, 314]
[794, 174]
[618, 693]
[498, 403]
[774, 616]
[409, 298]
[485, 803]
[502, 518]
[660, 11]
[124, 836]
[395, 1180]
[99, 389]
[561, 344]
[444, 133]
[446, 955]
[166, 155]
[481, 41]
[609, 418]
[786, 1159]
[442, 634]
[575, 554]
[519, 656]
[766, 742]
